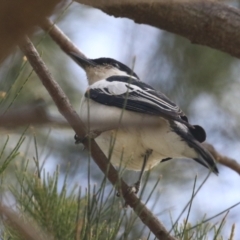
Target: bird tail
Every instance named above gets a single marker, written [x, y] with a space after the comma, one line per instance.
[205, 158]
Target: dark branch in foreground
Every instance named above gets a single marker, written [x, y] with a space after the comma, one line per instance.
[26, 229]
[61, 39]
[20, 17]
[71, 116]
[207, 23]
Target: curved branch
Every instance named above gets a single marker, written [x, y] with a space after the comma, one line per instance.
[226, 161]
[208, 23]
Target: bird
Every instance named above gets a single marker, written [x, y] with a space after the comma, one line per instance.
[135, 125]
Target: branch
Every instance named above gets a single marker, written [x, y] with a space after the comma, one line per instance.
[25, 228]
[31, 114]
[226, 161]
[203, 22]
[71, 116]
[59, 37]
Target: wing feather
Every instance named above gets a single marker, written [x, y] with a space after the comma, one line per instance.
[133, 95]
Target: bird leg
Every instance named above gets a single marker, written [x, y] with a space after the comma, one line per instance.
[135, 188]
[91, 135]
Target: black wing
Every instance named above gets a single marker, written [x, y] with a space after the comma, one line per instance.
[133, 95]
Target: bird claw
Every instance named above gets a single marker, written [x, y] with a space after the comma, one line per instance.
[90, 135]
[131, 189]
[134, 188]
[77, 139]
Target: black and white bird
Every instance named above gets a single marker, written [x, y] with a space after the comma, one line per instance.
[143, 125]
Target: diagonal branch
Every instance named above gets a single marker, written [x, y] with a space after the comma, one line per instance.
[207, 23]
[59, 37]
[71, 116]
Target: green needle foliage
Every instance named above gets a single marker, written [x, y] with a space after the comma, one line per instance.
[60, 213]
[50, 209]
[6, 158]
[70, 213]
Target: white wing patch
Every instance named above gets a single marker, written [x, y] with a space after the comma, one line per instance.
[142, 98]
[119, 88]
[113, 88]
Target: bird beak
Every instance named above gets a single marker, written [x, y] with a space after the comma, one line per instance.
[81, 60]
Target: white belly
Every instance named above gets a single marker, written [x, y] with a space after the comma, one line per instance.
[136, 134]
[127, 150]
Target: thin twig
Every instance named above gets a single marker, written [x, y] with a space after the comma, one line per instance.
[226, 161]
[59, 37]
[71, 116]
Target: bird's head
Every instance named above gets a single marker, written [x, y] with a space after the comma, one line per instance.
[102, 68]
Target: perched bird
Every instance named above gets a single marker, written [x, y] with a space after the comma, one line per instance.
[135, 125]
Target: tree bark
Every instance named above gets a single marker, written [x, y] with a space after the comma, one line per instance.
[203, 22]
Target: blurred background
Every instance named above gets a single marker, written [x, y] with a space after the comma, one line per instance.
[204, 82]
